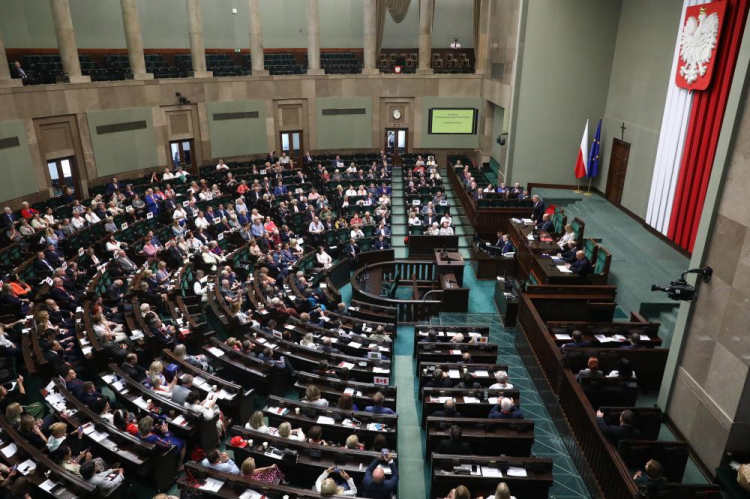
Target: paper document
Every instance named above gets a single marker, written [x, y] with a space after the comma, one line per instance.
[141, 403]
[212, 485]
[108, 378]
[563, 337]
[349, 391]
[527, 220]
[453, 373]
[354, 344]
[215, 351]
[380, 370]
[604, 339]
[326, 420]
[619, 337]
[491, 472]
[482, 374]
[347, 365]
[251, 494]
[492, 400]
[514, 471]
[26, 467]
[471, 400]
[9, 451]
[564, 269]
[48, 485]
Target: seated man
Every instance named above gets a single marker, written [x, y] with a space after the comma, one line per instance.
[448, 411]
[455, 444]
[623, 431]
[546, 224]
[378, 408]
[582, 265]
[374, 484]
[106, 481]
[220, 461]
[505, 410]
[578, 341]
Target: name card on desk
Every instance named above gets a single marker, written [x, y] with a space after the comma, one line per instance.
[381, 380]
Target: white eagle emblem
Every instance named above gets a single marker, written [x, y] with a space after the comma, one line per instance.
[696, 44]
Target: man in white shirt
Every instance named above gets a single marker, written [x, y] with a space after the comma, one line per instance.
[221, 165]
[284, 159]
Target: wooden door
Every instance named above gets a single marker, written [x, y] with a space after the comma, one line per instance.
[396, 144]
[291, 144]
[618, 166]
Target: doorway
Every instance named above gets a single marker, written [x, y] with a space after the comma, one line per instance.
[291, 144]
[181, 153]
[618, 166]
[62, 173]
[396, 144]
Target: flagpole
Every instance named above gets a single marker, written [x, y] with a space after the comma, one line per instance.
[578, 187]
[588, 193]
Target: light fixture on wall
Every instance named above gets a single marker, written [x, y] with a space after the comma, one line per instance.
[455, 44]
[181, 98]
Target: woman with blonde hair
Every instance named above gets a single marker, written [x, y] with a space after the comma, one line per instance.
[285, 431]
[568, 236]
[501, 492]
[199, 361]
[308, 341]
[352, 442]
[326, 486]
[156, 369]
[312, 396]
[257, 422]
[269, 474]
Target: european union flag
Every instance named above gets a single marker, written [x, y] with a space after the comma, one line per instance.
[593, 169]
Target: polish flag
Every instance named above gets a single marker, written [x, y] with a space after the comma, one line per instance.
[582, 167]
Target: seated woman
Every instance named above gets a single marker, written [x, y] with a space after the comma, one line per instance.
[352, 443]
[63, 455]
[569, 235]
[347, 403]
[592, 372]
[199, 361]
[312, 396]
[308, 341]
[161, 438]
[269, 474]
[335, 483]
[125, 421]
[257, 422]
[315, 436]
[324, 259]
[165, 390]
[285, 431]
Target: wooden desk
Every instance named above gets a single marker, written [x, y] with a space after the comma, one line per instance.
[487, 437]
[484, 374]
[535, 484]
[455, 297]
[532, 264]
[450, 263]
[469, 408]
[507, 306]
[487, 267]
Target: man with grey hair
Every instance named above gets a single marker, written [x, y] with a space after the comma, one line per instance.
[182, 389]
[502, 381]
[505, 410]
[539, 209]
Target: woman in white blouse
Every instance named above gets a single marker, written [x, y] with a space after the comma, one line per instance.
[323, 258]
[167, 175]
[257, 422]
[92, 217]
[568, 236]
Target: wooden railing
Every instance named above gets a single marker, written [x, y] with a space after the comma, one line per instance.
[408, 311]
[610, 473]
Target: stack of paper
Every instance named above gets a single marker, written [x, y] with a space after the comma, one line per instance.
[514, 471]
[564, 269]
[215, 351]
[212, 485]
[453, 373]
[563, 336]
[482, 374]
[491, 472]
[604, 339]
[326, 420]
[471, 400]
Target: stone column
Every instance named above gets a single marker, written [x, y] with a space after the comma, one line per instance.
[66, 41]
[132, 25]
[5, 80]
[197, 49]
[313, 39]
[483, 50]
[426, 10]
[256, 39]
[370, 42]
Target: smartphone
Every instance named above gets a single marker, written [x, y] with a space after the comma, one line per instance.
[474, 468]
[383, 453]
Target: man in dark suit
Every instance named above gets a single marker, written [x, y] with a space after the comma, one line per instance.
[623, 431]
[633, 342]
[506, 246]
[500, 240]
[89, 396]
[61, 296]
[54, 356]
[8, 218]
[382, 244]
[539, 209]
[505, 410]
[546, 224]
[578, 341]
[569, 254]
[132, 369]
[327, 348]
[271, 158]
[113, 186]
[351, 249]
[54, 257]
[448, 411]
[172, 255]
[19, 72]
[430, 219]
[113, 293]
[454, 445]
[42, 268]
[582, 265]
